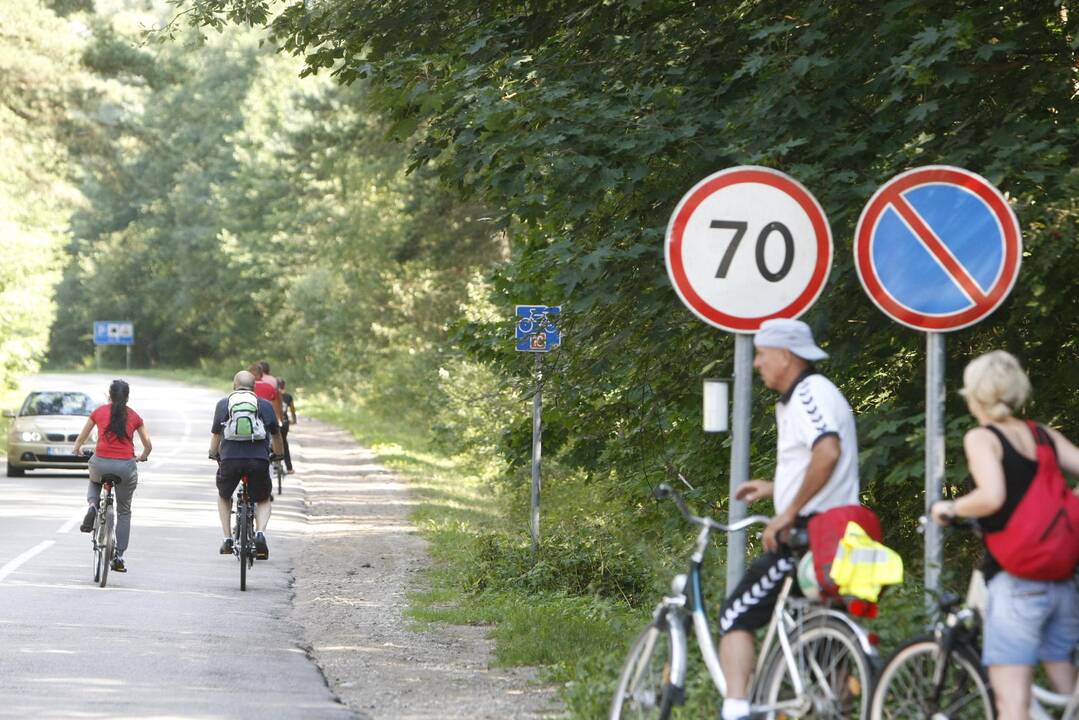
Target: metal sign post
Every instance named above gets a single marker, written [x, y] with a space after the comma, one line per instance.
[537, 333]
[934, 460]
[537, 452]
[745, 245]
[937, 248]
[741, 427]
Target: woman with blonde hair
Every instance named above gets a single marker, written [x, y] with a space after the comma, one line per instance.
[1030, 523]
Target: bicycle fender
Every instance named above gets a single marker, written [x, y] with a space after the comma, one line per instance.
[678, 658]
[858, 631]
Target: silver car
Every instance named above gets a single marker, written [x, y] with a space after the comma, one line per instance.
[44, 431]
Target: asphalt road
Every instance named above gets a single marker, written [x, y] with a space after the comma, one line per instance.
[174, 637]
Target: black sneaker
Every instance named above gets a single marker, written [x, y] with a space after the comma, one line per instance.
[262, 551]
[118, 565]
[226, 547]
[88, 521]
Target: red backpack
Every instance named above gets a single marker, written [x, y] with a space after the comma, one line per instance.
[826, 529]
[1041, 538]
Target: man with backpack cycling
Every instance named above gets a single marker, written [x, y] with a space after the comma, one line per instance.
[244, 430]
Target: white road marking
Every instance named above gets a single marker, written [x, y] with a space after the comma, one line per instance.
[66, 527]
[13, 565]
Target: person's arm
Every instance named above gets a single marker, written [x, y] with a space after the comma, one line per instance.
[276, 444]
[83, 434]
[147, 446]
[984, 455]
[822, 462]
[754, 490]
[292, 410]
[215, 445]
[278, 410]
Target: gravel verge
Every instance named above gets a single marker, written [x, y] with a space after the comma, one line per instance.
[361, 557]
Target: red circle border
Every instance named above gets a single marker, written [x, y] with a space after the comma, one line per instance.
[917, 177]
[734, 176]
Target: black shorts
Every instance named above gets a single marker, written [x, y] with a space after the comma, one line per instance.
[750, 605]
[259, 484]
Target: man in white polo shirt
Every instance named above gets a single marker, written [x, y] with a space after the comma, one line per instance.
[816, 470]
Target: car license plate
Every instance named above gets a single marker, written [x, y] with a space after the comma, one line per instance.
[58, 451]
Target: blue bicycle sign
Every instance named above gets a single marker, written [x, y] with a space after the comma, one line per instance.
[536, 328]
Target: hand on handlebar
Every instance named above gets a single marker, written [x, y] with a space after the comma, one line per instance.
[214, 456]
[943, 512]
[775, 530]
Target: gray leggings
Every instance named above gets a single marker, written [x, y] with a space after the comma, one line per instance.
[129, 479]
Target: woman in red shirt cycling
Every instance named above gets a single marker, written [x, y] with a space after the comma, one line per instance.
[114, 454]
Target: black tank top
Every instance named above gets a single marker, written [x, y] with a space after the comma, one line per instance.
[1019, 472]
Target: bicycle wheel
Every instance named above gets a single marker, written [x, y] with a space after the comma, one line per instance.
[110, 545]
[242, 531]
[835, 673]
[644, 687]
[97, 542]
[906, 688]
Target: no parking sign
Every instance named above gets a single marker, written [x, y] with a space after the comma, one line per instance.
[938, 248]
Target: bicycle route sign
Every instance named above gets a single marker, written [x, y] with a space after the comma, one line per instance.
[114, 332]
[747, 244]
[536, 328]
[938, 248]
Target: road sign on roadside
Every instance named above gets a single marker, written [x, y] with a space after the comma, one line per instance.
[938, 248]
[747, 244]
[114, 332]
[536, 329]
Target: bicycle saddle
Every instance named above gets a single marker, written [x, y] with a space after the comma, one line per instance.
[111, 479]
[948, 602]
[798, 539]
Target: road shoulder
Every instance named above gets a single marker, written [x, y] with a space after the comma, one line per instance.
[361, 558]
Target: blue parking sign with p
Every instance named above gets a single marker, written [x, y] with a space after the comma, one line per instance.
[537, 329]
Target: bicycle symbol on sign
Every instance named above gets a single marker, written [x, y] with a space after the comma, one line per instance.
[536, 329]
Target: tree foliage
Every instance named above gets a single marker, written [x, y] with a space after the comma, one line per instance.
[581, 123]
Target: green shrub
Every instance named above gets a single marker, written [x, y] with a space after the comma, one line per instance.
[583, 560]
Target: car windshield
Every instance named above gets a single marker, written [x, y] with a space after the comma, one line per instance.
[57, 403]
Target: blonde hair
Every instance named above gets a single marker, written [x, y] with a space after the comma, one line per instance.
[997, 383]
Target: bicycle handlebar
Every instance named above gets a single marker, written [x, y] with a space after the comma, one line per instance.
[665, 492]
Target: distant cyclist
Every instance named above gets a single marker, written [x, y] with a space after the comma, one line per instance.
[243, 430]
[289, 408]
[114, 454]
[266, 388]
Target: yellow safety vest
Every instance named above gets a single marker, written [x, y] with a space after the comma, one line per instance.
[863, 566]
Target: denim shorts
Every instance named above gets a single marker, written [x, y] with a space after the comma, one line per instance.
[1027, 621]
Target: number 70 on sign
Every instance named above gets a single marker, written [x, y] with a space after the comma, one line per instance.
[748, 244]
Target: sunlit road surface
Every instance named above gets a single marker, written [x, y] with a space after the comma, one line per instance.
[172, 638]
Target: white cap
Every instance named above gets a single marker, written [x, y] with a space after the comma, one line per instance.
[793, 335]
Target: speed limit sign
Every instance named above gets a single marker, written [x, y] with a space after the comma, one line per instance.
[747, 244]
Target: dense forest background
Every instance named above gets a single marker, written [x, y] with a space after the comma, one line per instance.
[362, 191]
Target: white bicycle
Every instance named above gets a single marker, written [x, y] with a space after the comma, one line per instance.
[816, 661]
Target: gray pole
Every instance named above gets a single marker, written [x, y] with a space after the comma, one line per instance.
[127, 356]
[537, 451]
[740, 429]
[934, 460]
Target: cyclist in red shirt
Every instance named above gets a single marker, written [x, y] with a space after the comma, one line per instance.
[266, 388]
[114, 454]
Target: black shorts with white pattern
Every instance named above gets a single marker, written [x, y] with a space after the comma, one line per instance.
[750, 606]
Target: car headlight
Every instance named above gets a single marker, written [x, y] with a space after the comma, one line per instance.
[31, 436]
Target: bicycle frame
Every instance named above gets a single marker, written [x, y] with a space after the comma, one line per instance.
[688, 598]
